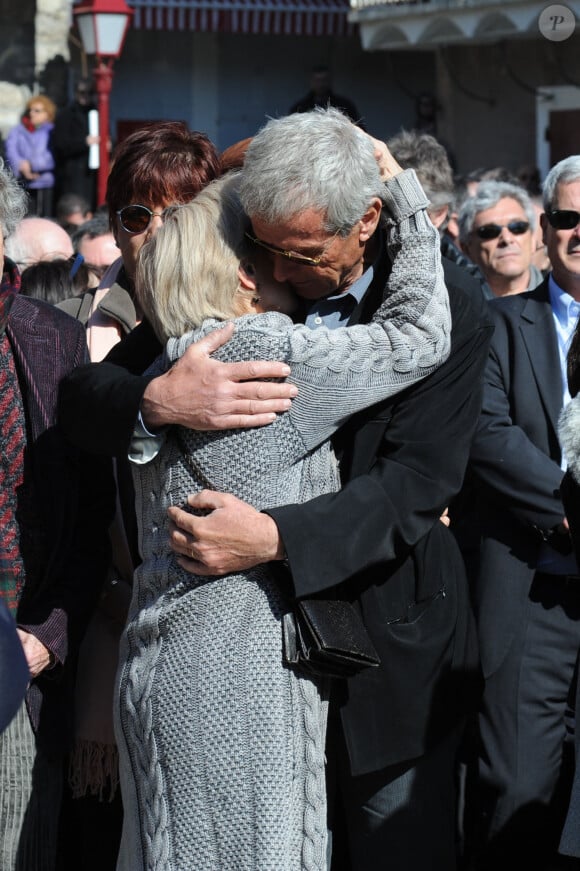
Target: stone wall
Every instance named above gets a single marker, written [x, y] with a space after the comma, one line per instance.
[52, 23]
[28, 49]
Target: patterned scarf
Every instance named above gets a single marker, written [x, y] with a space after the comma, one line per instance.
[12, 442]
[9, 287]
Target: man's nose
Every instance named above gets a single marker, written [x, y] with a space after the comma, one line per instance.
[506, 236]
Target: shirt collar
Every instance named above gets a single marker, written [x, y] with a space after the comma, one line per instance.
[357, 290]
[564, 306]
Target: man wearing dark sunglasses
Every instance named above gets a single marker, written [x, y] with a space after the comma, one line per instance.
[94, 240]
[496, 230]
[528, 587]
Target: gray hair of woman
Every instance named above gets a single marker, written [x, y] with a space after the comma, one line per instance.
[488, 195]
[188, 271]
[315, 160]
[564, 172]
[13, 201]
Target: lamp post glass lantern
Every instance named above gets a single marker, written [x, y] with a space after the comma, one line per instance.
[102, 26]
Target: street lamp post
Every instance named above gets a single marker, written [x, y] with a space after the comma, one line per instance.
[102, 27]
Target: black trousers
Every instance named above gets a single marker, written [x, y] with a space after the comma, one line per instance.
[400, 818]
[517, 796]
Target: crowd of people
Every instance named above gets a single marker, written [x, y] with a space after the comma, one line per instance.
[256, 383]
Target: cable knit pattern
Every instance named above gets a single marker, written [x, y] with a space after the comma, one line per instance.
[222, 747]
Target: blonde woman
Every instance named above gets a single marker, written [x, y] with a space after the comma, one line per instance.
[221, 745]
[30, 156]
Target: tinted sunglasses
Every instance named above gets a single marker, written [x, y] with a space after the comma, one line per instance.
[136, 219]
[492, 231]
[563, 219]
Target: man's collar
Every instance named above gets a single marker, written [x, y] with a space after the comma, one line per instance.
[563, 305]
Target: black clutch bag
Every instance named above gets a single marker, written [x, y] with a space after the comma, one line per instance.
[327, 638]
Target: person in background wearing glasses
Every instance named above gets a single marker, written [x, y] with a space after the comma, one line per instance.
[497, 232]
[527, 592]
[94, 241]
[154, 168]
[29, 153]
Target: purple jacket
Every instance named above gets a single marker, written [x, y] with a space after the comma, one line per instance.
[34, 146]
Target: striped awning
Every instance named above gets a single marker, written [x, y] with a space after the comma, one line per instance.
[266, 17]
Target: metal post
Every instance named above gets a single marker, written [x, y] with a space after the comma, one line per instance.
[103, 74]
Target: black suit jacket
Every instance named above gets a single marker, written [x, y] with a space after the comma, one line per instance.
[516, 460]
[379, 540]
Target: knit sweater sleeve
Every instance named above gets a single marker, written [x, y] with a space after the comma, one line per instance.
[341, 371]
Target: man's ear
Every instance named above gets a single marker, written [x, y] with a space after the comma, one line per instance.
[369, 221]
[247, 276]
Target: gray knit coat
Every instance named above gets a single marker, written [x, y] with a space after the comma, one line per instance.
[221, 745]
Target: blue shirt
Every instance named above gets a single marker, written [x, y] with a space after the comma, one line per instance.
[334, 311]
[565, 311]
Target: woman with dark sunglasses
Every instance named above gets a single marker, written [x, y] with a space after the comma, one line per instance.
[221, 744]
[156, 167]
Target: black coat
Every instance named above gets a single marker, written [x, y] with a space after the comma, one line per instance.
[381, 543]
[519, 497]
[380, 538]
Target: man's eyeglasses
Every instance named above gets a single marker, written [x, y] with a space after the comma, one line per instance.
[563, 219]
[293, 256]
[136, 219]
[492, 231]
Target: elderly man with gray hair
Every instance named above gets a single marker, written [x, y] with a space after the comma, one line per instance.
[496, 231]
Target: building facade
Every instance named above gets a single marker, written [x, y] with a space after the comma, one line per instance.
[505, 91]
[507, 72]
